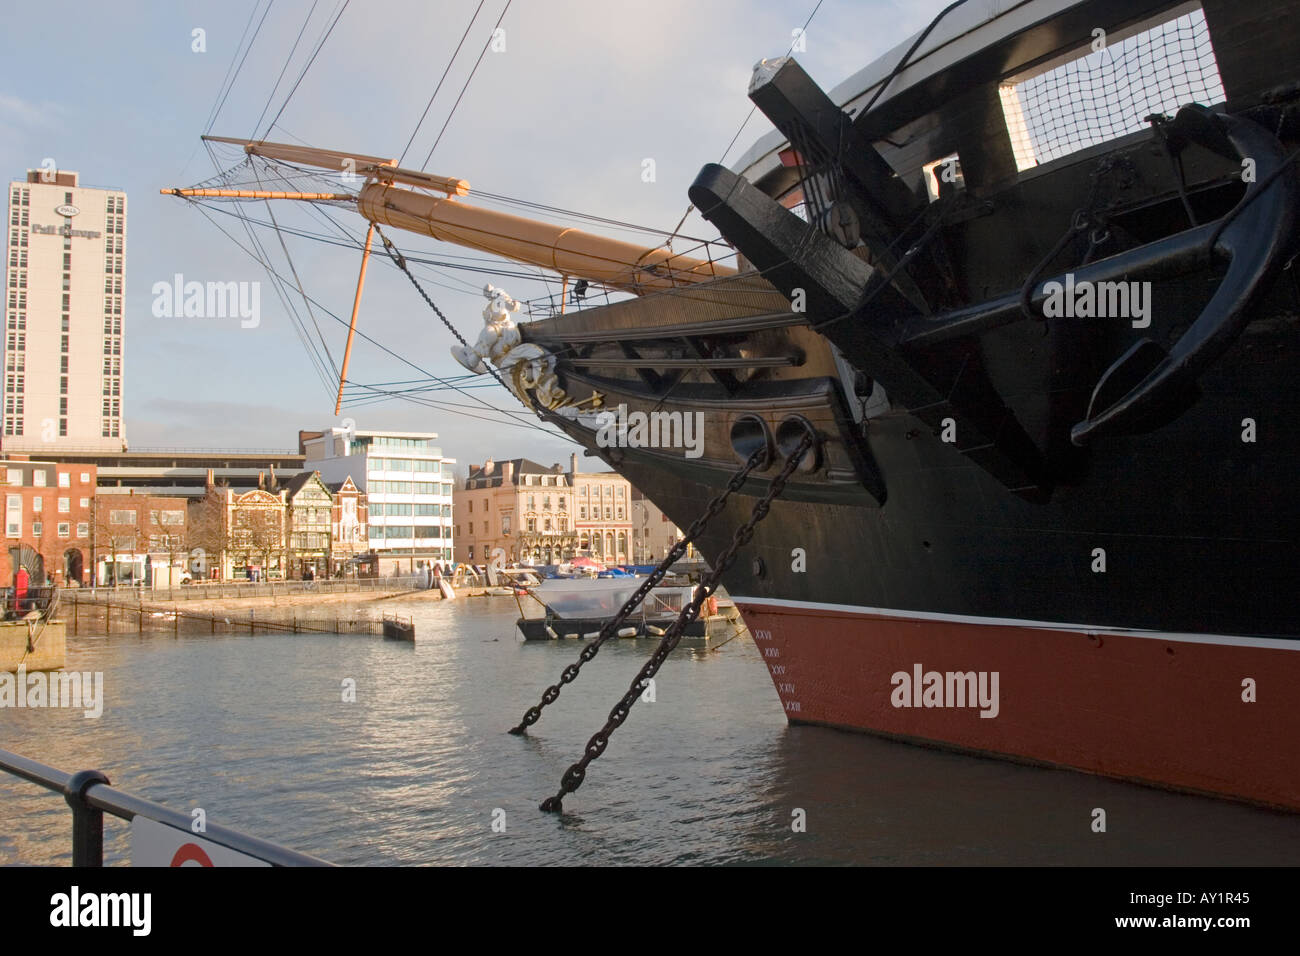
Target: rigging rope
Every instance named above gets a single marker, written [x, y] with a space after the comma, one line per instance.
[429, 156]
[574, 776]
[301, 291]
[284, 69]
[400, 261]
[745, 122]
[219, 101]
[455, 53]
[512, 417]
[319, 46]
[758, 459]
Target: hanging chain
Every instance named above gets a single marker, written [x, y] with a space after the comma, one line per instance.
[531, 716]
[574, 776]
[399, 260]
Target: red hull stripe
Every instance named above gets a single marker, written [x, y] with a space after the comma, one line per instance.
[1276, 643]
[1205, 714]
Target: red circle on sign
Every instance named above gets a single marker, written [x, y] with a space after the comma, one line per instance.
[191, 852]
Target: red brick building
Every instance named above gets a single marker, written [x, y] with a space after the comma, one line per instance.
[348, 534]
[135, 538]
[49, 518]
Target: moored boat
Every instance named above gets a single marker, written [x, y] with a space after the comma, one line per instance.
[579, 608]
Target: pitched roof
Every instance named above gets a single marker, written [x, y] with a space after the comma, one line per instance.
[522, 466]
[296, 483]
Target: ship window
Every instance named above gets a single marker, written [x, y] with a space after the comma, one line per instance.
[1107, 89]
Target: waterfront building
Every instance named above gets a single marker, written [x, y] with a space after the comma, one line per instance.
[64, 333]
[348, 529]
[240, 532]
[139, 539]
[48, 516]
[407, 484]
[653, 532]
[540, 515]
[310, 523]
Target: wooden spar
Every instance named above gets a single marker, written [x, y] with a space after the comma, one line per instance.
[352, 326]
[257, 194]
[352, 165]
[569, 252]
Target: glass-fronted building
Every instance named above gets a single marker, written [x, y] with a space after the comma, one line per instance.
[408, 488]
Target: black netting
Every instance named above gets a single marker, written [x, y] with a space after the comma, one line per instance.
[1110, 93]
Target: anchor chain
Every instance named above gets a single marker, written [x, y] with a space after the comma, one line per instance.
[399, 260]
[570, 673]
[574, 776]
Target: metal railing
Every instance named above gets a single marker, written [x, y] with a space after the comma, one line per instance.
[204, 590]
[90, 795]
[61, 449]
[13, 607]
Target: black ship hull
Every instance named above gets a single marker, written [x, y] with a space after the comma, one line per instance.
[1060, 536]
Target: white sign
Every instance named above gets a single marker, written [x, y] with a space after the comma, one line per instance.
[157, 844]
[67, 209]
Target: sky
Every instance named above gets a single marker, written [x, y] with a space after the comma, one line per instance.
[582, 93]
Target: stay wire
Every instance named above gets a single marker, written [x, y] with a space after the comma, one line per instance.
[240, 68]
[319, 46]
[455, 53]
[466, 86]
[514, 416]
[287, 60]
[212, 112]
[745, 122]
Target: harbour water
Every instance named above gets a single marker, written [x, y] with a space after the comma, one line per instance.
[254, 730]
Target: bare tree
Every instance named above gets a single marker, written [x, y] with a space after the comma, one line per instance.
[205, 526]
[116, 536]
[167, 534]
[258, 531]
[266, 534]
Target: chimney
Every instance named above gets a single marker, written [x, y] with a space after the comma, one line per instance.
[507, 473]
[304, 437]
[261, 480]
[489, 466]
[573, 463]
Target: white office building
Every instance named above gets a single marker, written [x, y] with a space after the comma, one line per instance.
[65, 252]
[407, 483]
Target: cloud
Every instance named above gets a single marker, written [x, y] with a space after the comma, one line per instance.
[21, 120]
[17, 110]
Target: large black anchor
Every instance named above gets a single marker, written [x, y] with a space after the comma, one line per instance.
[1147, 387]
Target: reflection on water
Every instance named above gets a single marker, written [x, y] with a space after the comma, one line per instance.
[254, 730]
